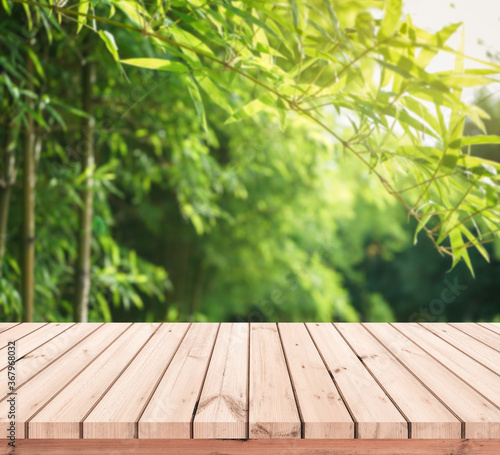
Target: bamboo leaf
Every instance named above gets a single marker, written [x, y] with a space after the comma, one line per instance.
[6, 6]
[109, 40]
[392, 14]
[197, 100]
[156, 64]
[83, 8]
[252, 108]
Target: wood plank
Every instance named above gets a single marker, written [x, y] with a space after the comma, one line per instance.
[479, 333]
[223, 409]
[119, 410]
[471, 372]
[32, 363]
[18, 332]
[272, 409]
[61, 418]
[322, 410]
[34, 394]
[427, 416]
[258, 447]
[7, 325]
[468, 345]
[35, 339]
[374, 413]
[482, 419]
[493, 326]
[170, 410]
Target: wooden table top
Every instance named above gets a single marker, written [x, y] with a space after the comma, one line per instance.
[252, 381]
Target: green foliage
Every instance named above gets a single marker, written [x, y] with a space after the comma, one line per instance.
[370, 72]
[250, 156]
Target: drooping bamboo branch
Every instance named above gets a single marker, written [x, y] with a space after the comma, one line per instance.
[80, 306]
[29, 182]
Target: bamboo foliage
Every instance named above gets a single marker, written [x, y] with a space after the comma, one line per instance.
[333, 63]
[356, 73]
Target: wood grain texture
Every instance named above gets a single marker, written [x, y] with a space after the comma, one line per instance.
[35, 394]
[223, 409]
[480, 333]
[493, 326]
[62, 416]
[18, 331]
[482, 419]
[476, 375]
[322, 410]
[170, 410]
[250, 388]
[34, 340]
[272, 409]
[427, 416]
[258, 447]
[374, 413]
[117, 413]
[480, 352]
[35, 361]
[7, 325]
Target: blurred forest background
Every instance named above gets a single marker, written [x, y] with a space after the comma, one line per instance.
[250, 220]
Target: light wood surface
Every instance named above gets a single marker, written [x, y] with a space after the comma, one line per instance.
[468, 345]
[480, 333]
[170, 409]
[427, 416]
[253, 388]
[257, 447]
[481, 417]
[223, 409]
[7, 325]
[18, 332]
[117, 413]
[322, 410]
[466, 368]
[273, 411]
[37, 360]
[45, 385]
[374, 413]
[62, 416]
[34, 340]
[493, 326]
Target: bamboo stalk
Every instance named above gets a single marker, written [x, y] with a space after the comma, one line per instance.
[83, 280]
[29, 182]
[8, 179]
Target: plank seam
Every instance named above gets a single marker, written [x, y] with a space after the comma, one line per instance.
[39, 346]
[302, 423]
[80, 425]
[57, 358]
[484, 326]
[473, 337]
[456, 347]
[462, 423]
[70, 381]
[449, 369]
[191, 426]
[8, 328]
[26, 334]
[408, 422]
[136, 425]
[356, 423]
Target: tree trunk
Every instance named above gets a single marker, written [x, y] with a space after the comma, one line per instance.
[28, 234]
[80, 307]
[6, 182]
